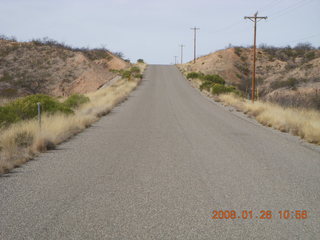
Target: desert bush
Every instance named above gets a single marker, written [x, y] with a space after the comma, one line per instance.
[135, 70]
[75, 101]
[7, 116]
[290, 82]
[126, 74]
[219, 89]
[214, 78]
[291, 66]
[303, 50]
[310, 56]
[138, 75]
[6, 51]
[243, 68]
[26, 108]
[97, 54]
[304, 46]
[140, 60]
[132, 72]
[194, 75]
[238, 51]
[118, 54]
[206, 85]
[4, 37]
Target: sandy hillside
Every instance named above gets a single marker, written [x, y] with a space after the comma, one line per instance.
[290, 76]
[54, 69]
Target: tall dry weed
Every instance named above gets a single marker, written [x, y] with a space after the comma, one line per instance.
[304, 123]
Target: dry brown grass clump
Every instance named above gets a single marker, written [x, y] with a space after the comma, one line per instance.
[297, 121]
[22, 141]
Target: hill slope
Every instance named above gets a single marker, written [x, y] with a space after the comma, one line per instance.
[51, 68]
[289, 76]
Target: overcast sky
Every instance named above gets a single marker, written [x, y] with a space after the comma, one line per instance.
[153, 29]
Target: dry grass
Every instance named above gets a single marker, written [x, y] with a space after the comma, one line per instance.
[297, 121]
[4, 101]
[22, 141]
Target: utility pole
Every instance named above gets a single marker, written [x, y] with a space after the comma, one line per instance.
[181, 46]
[194, 43]
[175, 59]
[254, 19]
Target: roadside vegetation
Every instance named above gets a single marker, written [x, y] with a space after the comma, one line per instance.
[212, 83]
[304, 123]
[298, 121]
[25, 108]
[133, 72]
[21, 137]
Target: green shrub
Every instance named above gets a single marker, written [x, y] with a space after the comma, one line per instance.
[135, 70]
[7, 116]
[310, 56]
[114, 71]
[97, 54]
[126, 74]
[75, 101]
[214, 78]
[26, 108]
[219, 89]
[132, 72]
[138, 75]
[237, 51]
[140, 60]
[194, 75]
[207, 85]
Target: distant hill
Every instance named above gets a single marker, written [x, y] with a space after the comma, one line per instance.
[288, 76]
[45, 66]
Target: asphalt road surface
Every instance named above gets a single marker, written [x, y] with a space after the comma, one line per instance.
[158, 166]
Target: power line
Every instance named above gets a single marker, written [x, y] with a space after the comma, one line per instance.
[300, 39]
[270, 4]
[254, 19]
[236, 23]
[195, 29]
[290, 8]
[227, 27]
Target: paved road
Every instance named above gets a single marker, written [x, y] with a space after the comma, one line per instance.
[157, 166]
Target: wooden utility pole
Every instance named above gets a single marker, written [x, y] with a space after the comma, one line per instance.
[195, 43]
[182, 46]
[175, 59]
[254, 19]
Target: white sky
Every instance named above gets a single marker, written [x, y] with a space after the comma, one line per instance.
[153, 29]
